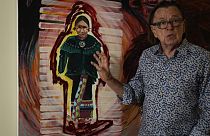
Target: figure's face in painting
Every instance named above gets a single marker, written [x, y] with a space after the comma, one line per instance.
[168, 26]
[82, 29]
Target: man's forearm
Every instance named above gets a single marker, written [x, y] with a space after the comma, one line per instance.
[115, 85]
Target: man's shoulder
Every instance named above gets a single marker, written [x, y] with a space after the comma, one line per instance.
[152, 49]
[197, 50]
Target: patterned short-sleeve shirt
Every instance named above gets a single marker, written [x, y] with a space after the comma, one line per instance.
[175, 92]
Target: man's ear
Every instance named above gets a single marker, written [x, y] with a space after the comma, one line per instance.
[153, 29]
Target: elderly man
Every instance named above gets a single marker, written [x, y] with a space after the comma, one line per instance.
[172, 81]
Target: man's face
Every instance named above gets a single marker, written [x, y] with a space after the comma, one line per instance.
[168, 26]
[82, 29]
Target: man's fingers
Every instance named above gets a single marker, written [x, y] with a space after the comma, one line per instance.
[95, 65]
[101, 56]
[96, 57]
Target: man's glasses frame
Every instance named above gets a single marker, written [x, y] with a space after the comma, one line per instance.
[163, 24]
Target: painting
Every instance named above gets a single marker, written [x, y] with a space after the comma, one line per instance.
[60, 92]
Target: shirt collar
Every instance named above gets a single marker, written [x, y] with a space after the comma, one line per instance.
[181, 49]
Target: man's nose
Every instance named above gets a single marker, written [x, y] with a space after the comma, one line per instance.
[170, 25]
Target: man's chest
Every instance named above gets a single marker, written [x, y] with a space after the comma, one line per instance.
[173, 73]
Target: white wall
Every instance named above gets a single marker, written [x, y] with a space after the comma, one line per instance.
[8, 68]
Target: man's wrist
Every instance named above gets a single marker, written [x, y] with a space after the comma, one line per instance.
[109, 77]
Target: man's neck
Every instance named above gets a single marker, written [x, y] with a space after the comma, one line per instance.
[169, 50]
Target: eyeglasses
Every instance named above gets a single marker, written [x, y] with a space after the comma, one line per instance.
[175, 22]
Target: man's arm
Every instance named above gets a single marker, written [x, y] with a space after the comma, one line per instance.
[202, 128]
[115, 85]
[131, 92]
[102, 67]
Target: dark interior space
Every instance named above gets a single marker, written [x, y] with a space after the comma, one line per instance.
[198, 21]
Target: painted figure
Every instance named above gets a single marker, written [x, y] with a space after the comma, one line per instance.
[71, 59]
[75, 55]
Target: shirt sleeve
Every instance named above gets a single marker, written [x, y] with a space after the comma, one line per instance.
[202, 128]
[133, 90]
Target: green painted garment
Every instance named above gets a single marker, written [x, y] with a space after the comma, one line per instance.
[78, 58]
